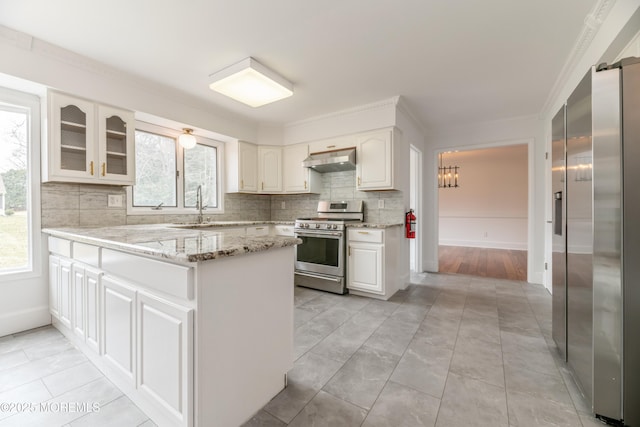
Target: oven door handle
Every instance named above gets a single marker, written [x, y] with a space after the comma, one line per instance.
[319, 276]
[322, 233]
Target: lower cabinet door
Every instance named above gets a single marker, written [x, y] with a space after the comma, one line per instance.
[78, 283]
[165, 368]
[92, 308]
[65, 308]
[54, 286]
[119, 326]
[364, 271]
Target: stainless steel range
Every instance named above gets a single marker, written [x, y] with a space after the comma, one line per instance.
[320, 259]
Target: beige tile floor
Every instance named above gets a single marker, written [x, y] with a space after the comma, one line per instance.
[451, 350]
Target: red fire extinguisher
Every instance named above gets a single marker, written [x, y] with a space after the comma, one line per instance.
[410, 224]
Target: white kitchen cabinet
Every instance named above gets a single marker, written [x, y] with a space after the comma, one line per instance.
[54, 286]
[118, 305]
[88, 143]
[241, 167]
[258, 230]
[365, 261]
[332, 144]
[374, 161]
[79, 314]
[295, 177]
[65, 293]
[372, 261]
[165, 355]
[283, 230]
[270, 169]
[86, 309]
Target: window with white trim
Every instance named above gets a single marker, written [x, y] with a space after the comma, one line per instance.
[168, 176]
[19, 184]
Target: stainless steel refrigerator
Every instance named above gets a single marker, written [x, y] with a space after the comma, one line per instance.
[596, 289]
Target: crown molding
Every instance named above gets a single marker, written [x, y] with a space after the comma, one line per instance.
[377, 105]
[592, 23]
[403, 107]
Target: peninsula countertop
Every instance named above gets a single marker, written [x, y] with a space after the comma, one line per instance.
[178, 242]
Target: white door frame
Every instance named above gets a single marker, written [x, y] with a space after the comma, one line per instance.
[530, 189]
[416, 190]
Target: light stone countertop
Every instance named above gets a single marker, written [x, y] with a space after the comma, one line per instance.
[175, 242]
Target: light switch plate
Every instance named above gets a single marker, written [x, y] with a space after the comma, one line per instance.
[381, 204]
[114, 201]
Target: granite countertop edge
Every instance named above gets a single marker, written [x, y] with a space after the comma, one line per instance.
[233, 245]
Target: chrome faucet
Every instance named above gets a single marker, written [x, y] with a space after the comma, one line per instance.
[199, 205]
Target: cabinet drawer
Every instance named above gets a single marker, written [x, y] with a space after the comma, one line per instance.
[87, 254]
[60, 246]
[261, 230]
[365, 235]
[176, 280]
[284, 230]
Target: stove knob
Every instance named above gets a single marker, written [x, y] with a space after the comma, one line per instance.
[328, 227]
[306, 226]
[335, 226]
[317, 225]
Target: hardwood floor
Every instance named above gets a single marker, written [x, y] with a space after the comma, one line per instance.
[497, 263]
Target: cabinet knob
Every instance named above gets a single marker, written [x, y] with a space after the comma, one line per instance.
[359, 181]
[91, 167]
[242, 184]
[305, 185]
[104, 169]
[262, 185]
[331, 146]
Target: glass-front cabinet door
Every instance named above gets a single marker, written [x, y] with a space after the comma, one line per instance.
[88, 142]
[71, 138]
[116, 136]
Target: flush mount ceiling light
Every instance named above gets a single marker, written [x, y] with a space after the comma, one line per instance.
[251, 83]
[187, 140]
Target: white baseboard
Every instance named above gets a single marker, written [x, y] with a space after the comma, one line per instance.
[485, 244]
[18, 321]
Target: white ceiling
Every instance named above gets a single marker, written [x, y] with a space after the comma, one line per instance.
[453, 61]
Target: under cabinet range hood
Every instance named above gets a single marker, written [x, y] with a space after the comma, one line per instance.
[332, 161]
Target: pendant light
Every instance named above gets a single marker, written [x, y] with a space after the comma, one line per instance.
[187, 140]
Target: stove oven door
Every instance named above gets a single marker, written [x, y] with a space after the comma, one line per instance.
[320, 252]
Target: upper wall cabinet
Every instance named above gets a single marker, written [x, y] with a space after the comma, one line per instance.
[376, 153]
[242, 167]
[88, 143]
[270, 169]
[296, 178]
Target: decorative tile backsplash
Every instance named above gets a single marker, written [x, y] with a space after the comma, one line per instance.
[338, 186]
[85, 205]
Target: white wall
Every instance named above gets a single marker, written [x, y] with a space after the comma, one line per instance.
[489, 209]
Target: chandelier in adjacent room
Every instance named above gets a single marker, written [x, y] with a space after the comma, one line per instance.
[447, 175]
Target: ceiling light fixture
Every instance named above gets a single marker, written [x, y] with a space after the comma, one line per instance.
[187, 140]
[251, 83]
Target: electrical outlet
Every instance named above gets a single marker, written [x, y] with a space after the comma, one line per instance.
[381, 204]
[114, 201]
[283, 205]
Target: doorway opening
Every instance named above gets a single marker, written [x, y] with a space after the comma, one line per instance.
[483, 223]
